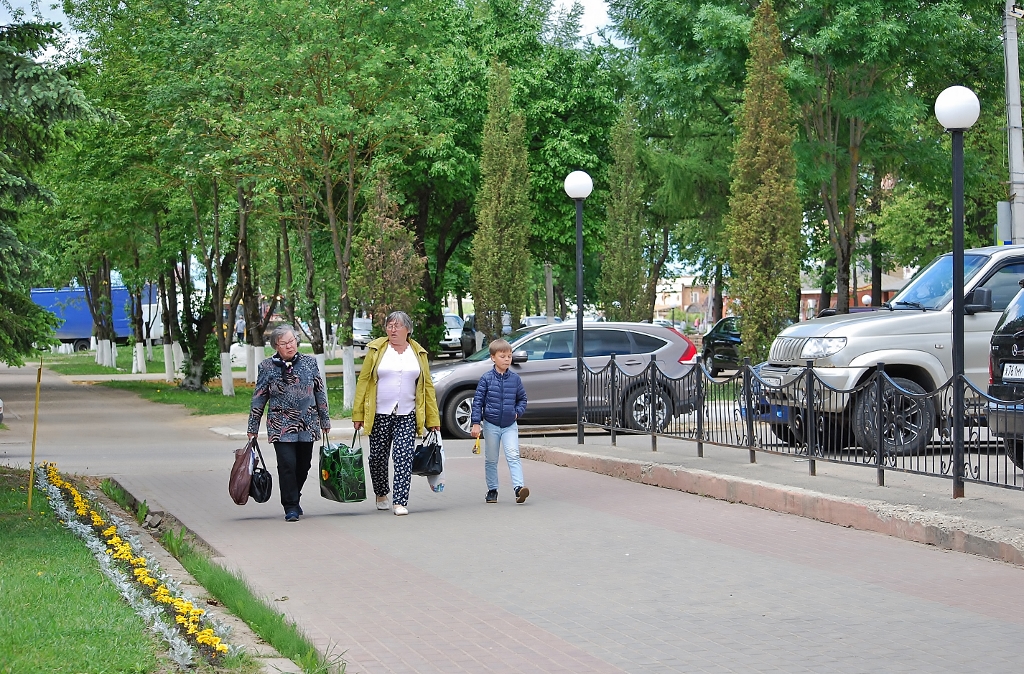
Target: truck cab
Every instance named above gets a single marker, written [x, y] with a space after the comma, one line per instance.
[911, 334]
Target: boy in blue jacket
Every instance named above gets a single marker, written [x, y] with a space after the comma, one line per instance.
[500, 399]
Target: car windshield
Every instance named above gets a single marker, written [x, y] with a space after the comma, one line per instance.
[452, 321]
[932, 287]
[517, 336]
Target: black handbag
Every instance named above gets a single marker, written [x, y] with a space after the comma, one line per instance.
[262, 484]
[426, 459]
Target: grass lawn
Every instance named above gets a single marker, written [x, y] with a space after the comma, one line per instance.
[213, 402]
[58, 613]
[85, 362]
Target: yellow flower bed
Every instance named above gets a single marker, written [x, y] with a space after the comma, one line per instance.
[187, 616]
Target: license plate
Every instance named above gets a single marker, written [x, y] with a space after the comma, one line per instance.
[1014, 371]
[772, 381]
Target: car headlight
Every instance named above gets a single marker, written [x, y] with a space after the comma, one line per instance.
[822, 347]
[439, 375]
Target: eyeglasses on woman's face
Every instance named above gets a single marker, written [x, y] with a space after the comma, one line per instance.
[287, 342]
[395, 325]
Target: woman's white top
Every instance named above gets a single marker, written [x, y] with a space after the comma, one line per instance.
[396, 381]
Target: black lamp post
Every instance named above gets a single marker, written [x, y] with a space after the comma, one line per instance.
[578, 186]
[957, 109]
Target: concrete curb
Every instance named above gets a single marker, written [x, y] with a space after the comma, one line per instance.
[906, 522]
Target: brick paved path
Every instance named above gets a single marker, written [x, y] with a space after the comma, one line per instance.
[592, 574]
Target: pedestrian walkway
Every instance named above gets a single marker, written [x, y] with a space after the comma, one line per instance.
[591, 574]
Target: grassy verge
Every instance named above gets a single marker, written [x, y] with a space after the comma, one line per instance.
[85, 362]
[236, 595]
[213, 402]
[58, 613]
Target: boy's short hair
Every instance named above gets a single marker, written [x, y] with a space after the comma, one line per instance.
[499, 346]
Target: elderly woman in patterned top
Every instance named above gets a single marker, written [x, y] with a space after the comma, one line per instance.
[290, 382]
[394, 401]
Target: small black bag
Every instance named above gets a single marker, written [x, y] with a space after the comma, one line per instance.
[427, 460]
[262, 484]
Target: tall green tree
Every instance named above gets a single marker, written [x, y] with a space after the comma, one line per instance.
[388, 272]
[623, 284]
[764, 217]
[501, 259]
[37, 102]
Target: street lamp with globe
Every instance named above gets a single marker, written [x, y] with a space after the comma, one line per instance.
[957, 109]
[578, 185]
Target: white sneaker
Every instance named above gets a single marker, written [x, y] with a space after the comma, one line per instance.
[401, 510]
[383, 505]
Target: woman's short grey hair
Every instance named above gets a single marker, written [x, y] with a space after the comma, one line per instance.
[399, 317]
[282, 330]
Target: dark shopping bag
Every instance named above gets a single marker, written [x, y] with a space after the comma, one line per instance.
[427, 459]
[342, 477]
[262, 484]
[241, 474]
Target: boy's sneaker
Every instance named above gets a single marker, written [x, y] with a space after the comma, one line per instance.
[522, 493]
[492, 496]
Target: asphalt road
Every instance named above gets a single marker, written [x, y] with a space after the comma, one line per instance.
[591, 574]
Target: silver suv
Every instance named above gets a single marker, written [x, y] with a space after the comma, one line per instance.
[912, 335]
[545, 358]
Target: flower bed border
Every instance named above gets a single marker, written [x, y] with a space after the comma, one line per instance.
[155, 596]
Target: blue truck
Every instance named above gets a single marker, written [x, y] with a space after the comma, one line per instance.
[69, 304]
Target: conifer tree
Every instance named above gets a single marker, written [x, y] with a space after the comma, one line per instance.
[764, 220]
[387, 270]
[621, 288]
[501, 259]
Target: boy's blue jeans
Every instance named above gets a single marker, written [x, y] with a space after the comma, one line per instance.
[508, 437]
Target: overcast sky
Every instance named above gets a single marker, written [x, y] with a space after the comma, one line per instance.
[595, 14]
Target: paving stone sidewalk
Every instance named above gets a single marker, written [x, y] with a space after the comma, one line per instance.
[591, 574]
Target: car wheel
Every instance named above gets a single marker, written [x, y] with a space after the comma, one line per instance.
[831, 431]
[784, 433]
[1015, 451]
[907, 423]
[638, 409]
[458, 414]
[81, 345]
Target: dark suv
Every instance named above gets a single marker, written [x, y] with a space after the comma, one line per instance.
[721, 346]
[1006, 379]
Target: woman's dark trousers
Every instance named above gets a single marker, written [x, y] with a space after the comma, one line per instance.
[293, 459]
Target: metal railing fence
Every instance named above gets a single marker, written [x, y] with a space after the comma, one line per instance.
[886, 423]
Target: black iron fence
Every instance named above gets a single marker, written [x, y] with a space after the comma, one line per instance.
[887, 423]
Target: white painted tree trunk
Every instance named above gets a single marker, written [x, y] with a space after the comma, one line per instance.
[149, 349]
[250, 364]
[261, 355]
[113, 354]
[98, 353]
[179, 356]
[169, 362]
[103, 353]
[92, 343]
[348, 378]
[140, 358]
[227, 381]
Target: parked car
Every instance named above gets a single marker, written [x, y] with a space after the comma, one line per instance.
[470, 335]
[544, 356]
[721, 346]
[911, 335]
[452, 342]
[1, 411]
[1006, 379]
[531, 321]
[361, 330]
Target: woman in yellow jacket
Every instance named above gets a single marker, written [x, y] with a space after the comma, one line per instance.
[394, 400]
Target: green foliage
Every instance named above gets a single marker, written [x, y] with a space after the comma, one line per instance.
[115, 493]
[500, 255]
[764, 219]
[388, 273]
[210, 362]
[623, 269]
[56, 607]
[199, 402]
